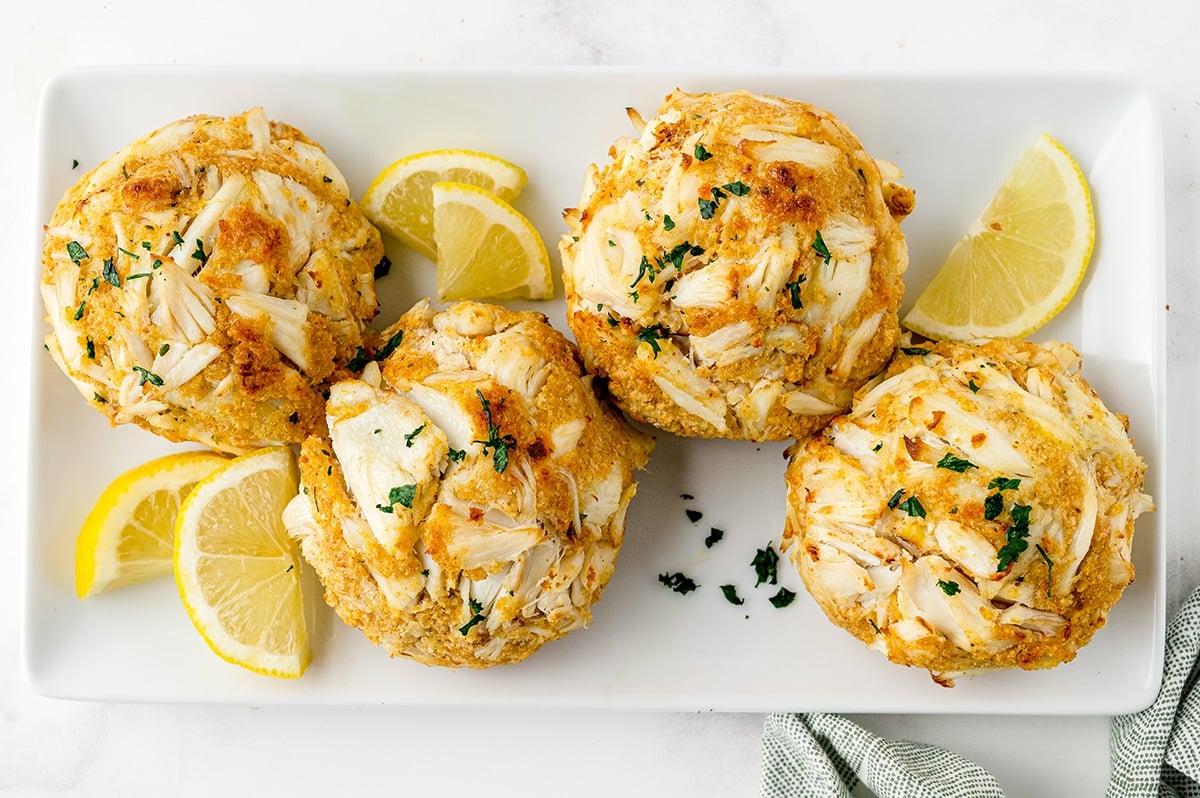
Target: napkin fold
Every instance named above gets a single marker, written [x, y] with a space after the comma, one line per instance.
[1155, 753]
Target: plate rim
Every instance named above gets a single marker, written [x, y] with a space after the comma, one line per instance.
[1134, 86]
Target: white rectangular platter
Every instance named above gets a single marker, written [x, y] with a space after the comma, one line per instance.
[647, 647]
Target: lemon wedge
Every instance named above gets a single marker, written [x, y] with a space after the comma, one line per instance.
[486, 248]
[128, 536]
[1023, 258]
[237, 570]
[400, 198]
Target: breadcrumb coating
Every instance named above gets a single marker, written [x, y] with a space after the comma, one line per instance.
[209, 280]
[736, 270]
[468, 505]
[975, 509]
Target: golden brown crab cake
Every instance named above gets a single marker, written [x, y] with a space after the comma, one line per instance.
[469, 504]
[208, 280]
[736, 270]
[974, 510]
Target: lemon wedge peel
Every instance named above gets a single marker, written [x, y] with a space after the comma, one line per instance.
[237, 571]
[128, 536]
[399, 199]
[486, 248]
[1023, 258]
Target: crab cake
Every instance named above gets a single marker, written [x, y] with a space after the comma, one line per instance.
[207, 281]
[975, 510]
[470, 501]
[736, 270]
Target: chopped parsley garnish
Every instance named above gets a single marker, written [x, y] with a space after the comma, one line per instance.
[74, 164]
[94, 286]
[1049, 569]
[707, 207]
[1004, 483]
[693, 515]
[913, 507]
[949, 588]
[952, 463]
[456, 455]
[91, 349]
[386, 350]
[1015, 537]
[178, 239]
[612, 243]
[109, 273]
[652, 335]
[76, 252]
[676, 255]
[383, 267]
[914, 350]
[148, 376]
[326, 179]
[877, 446]
[783, 598]
[971, 384]
[79, 310]
[678, 582]
[408, 439]
[359, 361]
[766, 564]
[402, 495]
[701, 153]
[645, 269]
[476, 617]
[668, 223]
[133, 255]
[612, 321]
[993, 505]
[714, 537]
[99, 398]
[895, 500]
[793, 289]
[874, 625]
[200, 254]
[634, 296]
[731, 595]
[819, 247]
[137, 276]
[499, 444]
[737, 188]
[162, 350]
[146, 245]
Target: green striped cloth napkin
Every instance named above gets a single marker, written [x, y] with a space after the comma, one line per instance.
[1155, 752]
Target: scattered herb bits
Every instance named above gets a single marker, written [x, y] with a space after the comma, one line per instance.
[766, 566]
[783, 598]
[731, 595]
[678, 582]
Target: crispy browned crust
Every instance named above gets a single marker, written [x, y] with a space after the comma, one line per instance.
[781, 194]
[131, 212]
[1094, 458]
[436, 629]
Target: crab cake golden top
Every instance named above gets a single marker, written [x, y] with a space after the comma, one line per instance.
[207, 281]
[469, 503]
[736, 270]
[975, 510]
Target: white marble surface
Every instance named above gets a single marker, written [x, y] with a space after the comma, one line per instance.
[50, 747]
